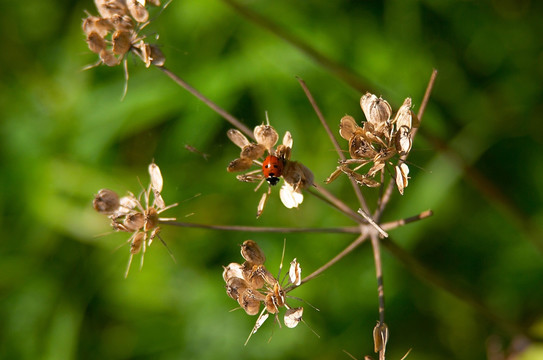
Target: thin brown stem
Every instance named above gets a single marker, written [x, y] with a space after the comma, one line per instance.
[338, 230]
[394, 224]
[231, 119]
[388, 192]
[379, 275]
[359, 240]
[317, 110]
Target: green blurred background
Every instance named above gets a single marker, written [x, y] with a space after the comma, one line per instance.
[476, 163]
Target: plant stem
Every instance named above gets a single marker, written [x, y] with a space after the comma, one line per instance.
[285, 230]
[231, 119]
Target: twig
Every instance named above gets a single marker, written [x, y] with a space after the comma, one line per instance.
[359, 240]
[338, 230]
[313, 103]
[231, 119]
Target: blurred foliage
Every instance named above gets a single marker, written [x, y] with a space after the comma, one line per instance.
[66, 134]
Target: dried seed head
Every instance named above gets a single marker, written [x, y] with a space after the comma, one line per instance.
[121, 42]
[134, 222]
[253, 151]
[252, 252]
[240, 164]
[106, 202]
[404, 115]
[347, 127]
[376, 109]
[293, 317]
[402, 172]
[96, 43]
[295, 273]
[266, 135]
[137, 10]
[360, 148]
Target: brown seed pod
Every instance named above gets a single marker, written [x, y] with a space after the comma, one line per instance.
[360, 148]
[96, 43]
[108, 58]
[137, 10]
[122, 22]
[402, 172]
[233, 270]
[295, 272]
[248, 301]
[235, 287]
[266, 135]
[376, 110]
[347, 127]
[137, 242]
[402, 140]
[121, 42]
[404, 115]
[106, 201]
[252, 151]
[157, 57]
[151, 219]
[134, 222]
[252, 253]
[98, 25]
[240, 164]
[108, 8]
[237, 138]
[293, 317]
[380, 336]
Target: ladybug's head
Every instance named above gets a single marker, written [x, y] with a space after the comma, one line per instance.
[272, 180]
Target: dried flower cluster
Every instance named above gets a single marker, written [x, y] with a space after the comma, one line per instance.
[127, 213]
[378, 140]
[251, 284]
[275, 165]
[115, 32]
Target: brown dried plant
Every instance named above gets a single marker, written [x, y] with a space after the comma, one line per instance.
[128, 214]
[251, 284]
[275, 165]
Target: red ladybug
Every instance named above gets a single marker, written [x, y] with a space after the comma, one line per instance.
[272, 168]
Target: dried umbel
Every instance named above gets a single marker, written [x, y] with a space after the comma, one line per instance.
[130, 214]
[271, 167]
[251, 284]
[377, 141]
[116, 32]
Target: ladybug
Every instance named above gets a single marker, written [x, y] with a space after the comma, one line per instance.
[272, 168]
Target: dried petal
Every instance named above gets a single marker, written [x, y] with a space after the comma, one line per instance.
[237, 138]
[404, 115]
[266, 135]
[240, 164]
[261, 204]
[380, 336]
[293, 317]
[128, 203]
[156, 177]
[289, 197]
[287, 140]
[347, 127]
[376, 110]
[403, 140]
[283, 152]
[106, 201]
[233, 270]
[157, 56]
[377, 166]
[295, 273]
[333, 176]
[252, 151]
[252, 252]
[401, 177]
[259, 322]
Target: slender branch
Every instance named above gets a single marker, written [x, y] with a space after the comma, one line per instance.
[338, 230]
[388, 192]
[359, 240]
[231, 119]
[373, 223]
[394, 224]
[313, 103]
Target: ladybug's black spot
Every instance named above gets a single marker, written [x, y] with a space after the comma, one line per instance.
[272, 180]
